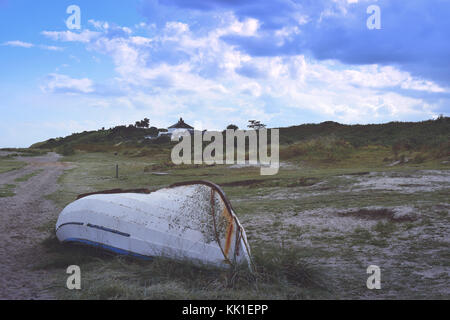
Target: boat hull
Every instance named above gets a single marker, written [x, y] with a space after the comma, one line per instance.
[190, 222]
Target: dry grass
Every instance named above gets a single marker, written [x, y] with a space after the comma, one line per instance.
[280, 273]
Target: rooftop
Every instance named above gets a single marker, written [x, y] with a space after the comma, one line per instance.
[181, 125]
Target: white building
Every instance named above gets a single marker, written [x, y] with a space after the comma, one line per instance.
[180, 126]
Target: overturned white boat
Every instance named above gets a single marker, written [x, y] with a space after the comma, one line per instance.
[189, 220]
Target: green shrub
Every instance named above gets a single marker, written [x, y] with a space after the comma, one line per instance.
[66, 150]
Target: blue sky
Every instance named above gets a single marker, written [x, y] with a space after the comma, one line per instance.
[217, 62]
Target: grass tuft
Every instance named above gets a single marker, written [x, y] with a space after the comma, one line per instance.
[7, 190]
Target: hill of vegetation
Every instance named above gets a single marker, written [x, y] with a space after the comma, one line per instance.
[329, 141]
[408, 134]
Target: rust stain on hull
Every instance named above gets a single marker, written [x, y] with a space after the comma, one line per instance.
[229, 231]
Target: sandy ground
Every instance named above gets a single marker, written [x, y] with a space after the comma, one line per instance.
[21, 217]
[413, 256]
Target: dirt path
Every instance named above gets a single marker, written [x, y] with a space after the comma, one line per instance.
[21, 217]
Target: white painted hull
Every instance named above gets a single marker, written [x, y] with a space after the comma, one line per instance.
[180, 222]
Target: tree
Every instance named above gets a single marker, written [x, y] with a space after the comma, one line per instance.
[232, 127]
[153, 131]
[255, 124]
[143, 123]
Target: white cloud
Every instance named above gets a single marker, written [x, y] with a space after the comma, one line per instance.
[59, 83]
[51, 48]
[101, 25]
[17, 43]
[247, 28]
[69, 36]
[388, 76]
[176, 27]
[208, 74]
[141, 41]
[252, 88]
[27, 45]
